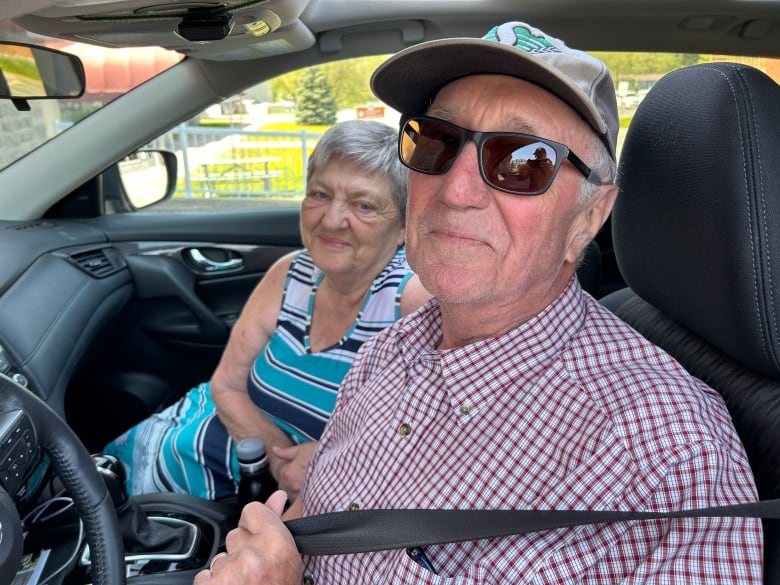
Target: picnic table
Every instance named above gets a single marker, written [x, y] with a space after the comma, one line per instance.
[237, 171]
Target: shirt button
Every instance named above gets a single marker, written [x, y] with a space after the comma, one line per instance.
[405, 430]
[308, 580]
[354, 506]
[465, 409]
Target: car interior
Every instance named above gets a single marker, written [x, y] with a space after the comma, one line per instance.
[111, 308]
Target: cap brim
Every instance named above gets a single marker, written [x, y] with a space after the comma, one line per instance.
[410, 79]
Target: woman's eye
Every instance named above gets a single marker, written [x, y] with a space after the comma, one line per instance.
[318, 196]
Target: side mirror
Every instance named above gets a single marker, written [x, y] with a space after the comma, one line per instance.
[147, 177]
[29, 72]
[139, 180]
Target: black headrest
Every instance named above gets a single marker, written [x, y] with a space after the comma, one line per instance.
[696, 225]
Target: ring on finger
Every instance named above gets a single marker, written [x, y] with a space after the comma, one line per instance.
[214, 560]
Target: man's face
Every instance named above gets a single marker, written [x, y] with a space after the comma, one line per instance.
[474, 245]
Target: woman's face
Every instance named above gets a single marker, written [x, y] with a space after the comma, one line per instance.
[349, 220]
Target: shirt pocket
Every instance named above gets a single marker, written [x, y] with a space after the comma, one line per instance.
[407, 571]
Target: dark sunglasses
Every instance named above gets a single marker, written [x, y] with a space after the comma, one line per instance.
[515, 163]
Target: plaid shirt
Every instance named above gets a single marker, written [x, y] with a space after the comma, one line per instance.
[571, 410]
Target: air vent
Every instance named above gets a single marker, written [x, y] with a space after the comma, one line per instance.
[98, 262]
[36, 225]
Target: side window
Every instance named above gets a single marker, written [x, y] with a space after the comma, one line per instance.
[251, 150]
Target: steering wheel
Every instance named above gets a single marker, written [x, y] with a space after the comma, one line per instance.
[26, 425]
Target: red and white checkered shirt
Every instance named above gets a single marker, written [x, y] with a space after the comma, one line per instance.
[572, 410]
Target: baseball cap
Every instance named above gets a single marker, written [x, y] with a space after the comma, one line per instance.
[408, 80]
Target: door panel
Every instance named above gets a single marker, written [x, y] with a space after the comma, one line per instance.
[171, 335]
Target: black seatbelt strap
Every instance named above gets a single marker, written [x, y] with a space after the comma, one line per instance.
[372, 530]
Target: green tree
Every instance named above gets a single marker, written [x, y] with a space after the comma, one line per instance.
[631, 65]
[283, 87]
[348, 79]
[314, 99]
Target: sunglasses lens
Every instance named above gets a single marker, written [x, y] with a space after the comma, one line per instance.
[515, 163]
[519, 165]
[429, 146]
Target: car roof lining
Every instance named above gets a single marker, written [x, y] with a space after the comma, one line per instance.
[726, 27]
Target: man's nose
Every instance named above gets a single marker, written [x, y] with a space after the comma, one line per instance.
[462, 185]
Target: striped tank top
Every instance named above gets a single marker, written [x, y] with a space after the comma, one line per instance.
[296, 388]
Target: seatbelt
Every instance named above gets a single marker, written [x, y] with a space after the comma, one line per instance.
[356, 531]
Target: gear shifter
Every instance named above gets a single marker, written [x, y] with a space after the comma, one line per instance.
[113, 472]
[140, 533]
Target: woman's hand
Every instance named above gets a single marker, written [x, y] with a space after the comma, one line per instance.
[260, 550]
[288, 466]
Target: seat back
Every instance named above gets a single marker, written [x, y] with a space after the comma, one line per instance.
[696, 232]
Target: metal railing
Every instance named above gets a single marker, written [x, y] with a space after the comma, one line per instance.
[233, 162]
[236, 162]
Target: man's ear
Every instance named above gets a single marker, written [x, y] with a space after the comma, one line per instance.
[590, 219]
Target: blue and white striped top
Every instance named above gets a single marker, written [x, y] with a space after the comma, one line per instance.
[297, 388]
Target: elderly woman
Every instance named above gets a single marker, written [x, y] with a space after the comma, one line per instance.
[298, 332]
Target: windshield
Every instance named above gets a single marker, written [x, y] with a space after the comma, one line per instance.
[109, 73]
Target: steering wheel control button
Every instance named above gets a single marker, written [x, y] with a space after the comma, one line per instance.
[17, 445]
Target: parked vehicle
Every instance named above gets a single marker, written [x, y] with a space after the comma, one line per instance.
[149, 177]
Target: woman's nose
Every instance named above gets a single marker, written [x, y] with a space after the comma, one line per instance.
[336, 214]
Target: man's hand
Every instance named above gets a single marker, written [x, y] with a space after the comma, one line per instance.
[260, 550]
[289, 464]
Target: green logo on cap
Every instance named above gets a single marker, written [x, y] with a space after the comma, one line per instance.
[520, 37]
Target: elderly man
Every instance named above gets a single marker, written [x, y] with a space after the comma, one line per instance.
[513, 389]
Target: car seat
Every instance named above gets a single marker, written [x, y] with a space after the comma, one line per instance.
[696, 231]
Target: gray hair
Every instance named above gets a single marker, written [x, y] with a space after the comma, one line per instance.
[600, 161]
[372, 145]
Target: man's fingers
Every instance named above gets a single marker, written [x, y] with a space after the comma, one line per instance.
[277, 501]
[257, 517]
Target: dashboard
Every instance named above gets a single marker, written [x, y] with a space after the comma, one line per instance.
[59, 283]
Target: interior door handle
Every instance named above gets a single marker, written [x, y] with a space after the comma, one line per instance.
[208, 265]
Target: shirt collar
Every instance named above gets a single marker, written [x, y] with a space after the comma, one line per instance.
[472, 372]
